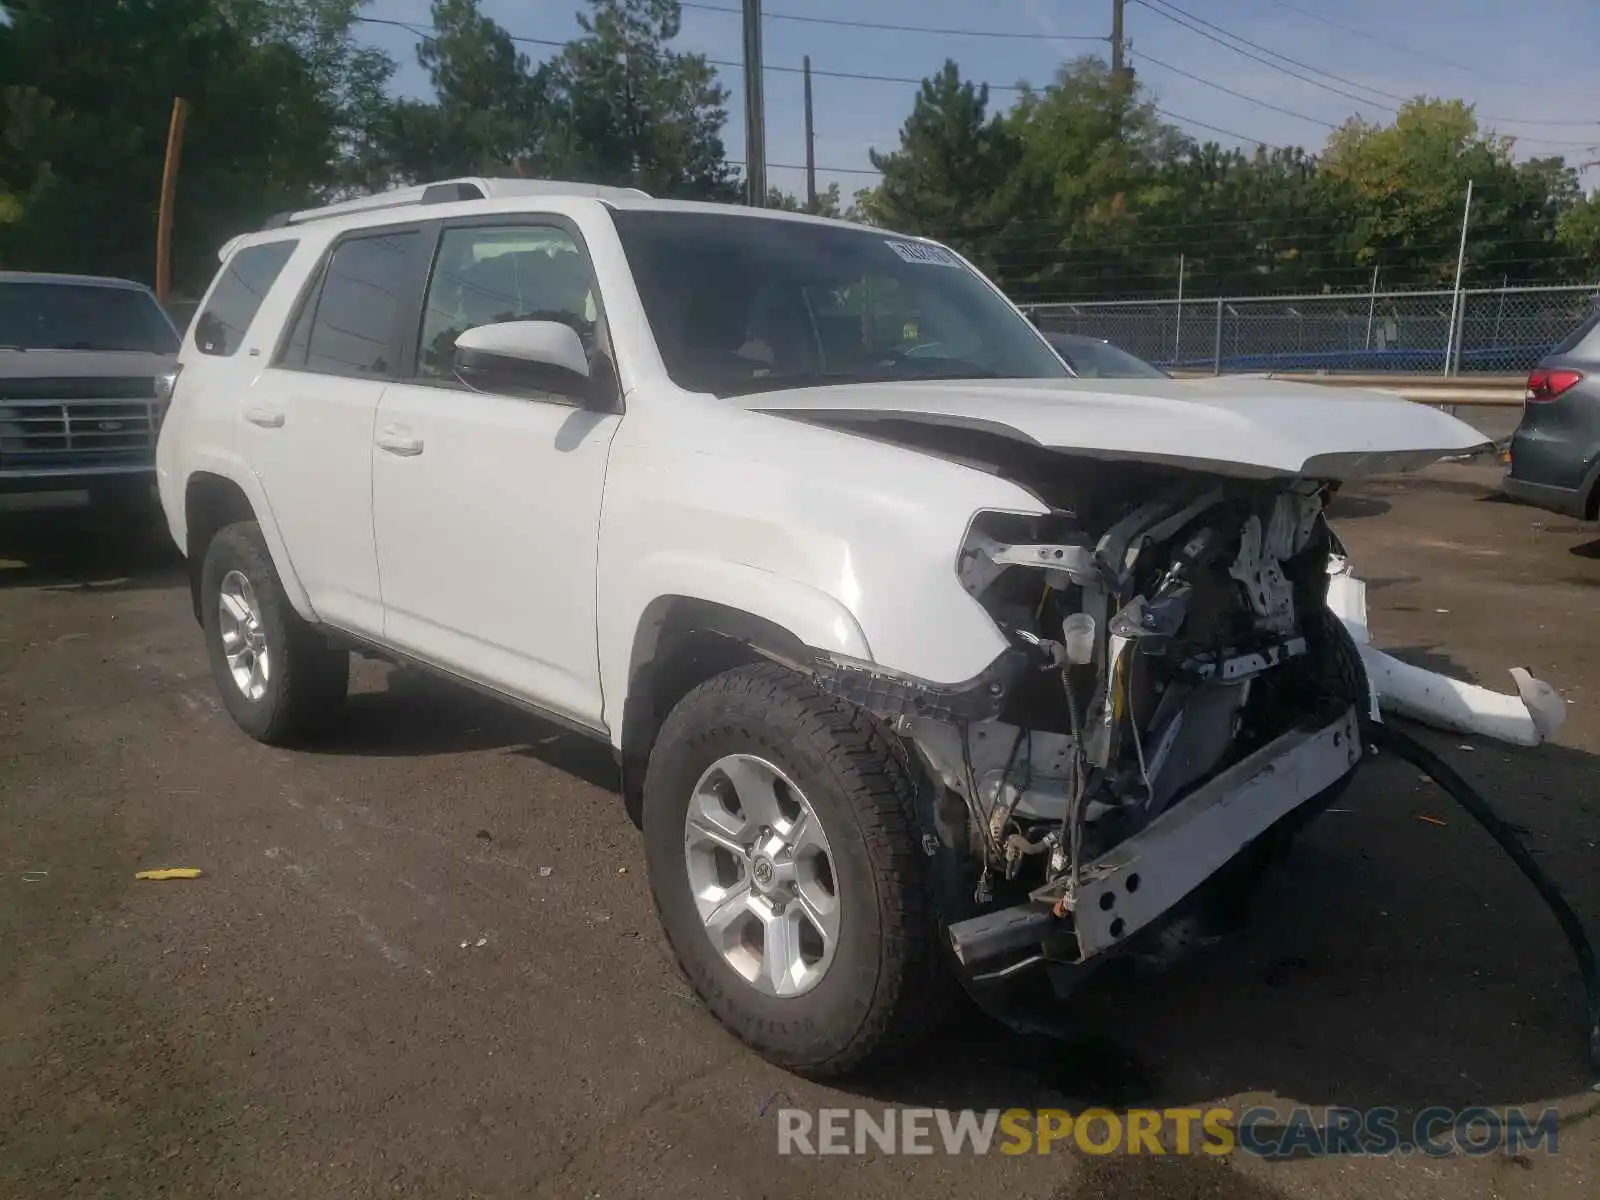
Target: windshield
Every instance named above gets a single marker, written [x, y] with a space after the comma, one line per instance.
[81, 316]
[1093, 359]
[741, 304]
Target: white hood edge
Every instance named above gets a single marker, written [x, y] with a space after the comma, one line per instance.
[1251, 428]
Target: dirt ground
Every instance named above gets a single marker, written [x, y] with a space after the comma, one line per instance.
[422, 959]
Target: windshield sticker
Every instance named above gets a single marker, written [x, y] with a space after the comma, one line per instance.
[919, 252]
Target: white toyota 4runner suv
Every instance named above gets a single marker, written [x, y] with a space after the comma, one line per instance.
[924, 661]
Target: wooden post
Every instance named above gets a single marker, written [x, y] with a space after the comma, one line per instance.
[169, 188]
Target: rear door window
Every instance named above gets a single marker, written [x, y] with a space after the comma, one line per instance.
[244, 283]
[350, 325]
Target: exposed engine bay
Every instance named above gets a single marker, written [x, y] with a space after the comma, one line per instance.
[1168, 629]
[1165, 646]
[1189, 680]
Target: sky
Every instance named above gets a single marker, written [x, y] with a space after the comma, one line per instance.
[1513, 61]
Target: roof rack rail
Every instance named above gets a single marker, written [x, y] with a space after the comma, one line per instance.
[450, 191]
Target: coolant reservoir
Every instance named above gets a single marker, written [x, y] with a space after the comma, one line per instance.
[1077, 633]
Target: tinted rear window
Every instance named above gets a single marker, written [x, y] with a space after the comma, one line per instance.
[352, 329]
[82, 316]
[233, 303]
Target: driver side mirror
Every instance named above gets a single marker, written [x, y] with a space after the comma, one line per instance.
[527, 358]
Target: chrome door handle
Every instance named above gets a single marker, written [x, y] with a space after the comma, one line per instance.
[398, 443]
[265, 417]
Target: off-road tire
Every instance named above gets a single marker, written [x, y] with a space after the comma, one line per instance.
[890, 982]
[309, 677]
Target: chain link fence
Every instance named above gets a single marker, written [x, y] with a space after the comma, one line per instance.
[1487, 330]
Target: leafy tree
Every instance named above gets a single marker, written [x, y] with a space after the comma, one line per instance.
[631, 111]
[1407, 185]
[1248, 222]
[951, 175]
[348, 80]
[1090, 184]
[1578, 233]
[491, 109]
[827, 205]
[90, 96]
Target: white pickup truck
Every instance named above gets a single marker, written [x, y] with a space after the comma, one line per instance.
[925, 661]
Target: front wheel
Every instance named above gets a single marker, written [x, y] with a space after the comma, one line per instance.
[789, 879]
[279, 678]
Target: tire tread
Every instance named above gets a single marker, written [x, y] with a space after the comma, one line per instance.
[914, 981]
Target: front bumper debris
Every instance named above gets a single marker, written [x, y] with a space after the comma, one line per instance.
[1528, 718]
[1145, 876]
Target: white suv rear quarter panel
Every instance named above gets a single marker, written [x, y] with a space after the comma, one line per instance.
[201, 432]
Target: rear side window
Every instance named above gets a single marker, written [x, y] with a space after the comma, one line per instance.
[246, 278]
[349, 325]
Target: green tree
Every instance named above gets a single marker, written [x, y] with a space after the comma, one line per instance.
[491, 108]
[85, 115]
[828, 202]
[1407, 184]
[1091, 185]
[950, 177]
[349, 81]
[1245, 223]
[1578, 234]
[631, 111]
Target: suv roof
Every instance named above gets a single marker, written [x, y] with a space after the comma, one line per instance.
[449, 191]
[466, 196]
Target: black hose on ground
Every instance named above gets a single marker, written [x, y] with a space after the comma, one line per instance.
[1387, 737]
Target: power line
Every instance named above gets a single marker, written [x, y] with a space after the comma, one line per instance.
[1288, 112]
[1179, 20]
[420, 32]
[820, 169]
[1402, 46]
[1172, 116]
[1168, 10]
[1016, 35]
[862, 77]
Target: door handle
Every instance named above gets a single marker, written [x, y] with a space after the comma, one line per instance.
[402, 444]
[267, 418]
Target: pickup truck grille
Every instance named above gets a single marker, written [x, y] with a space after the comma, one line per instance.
[56, 424]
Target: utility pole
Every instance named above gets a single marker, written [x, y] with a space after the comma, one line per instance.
[169, 190]
[1117, 56]
[755, 126]
[811, 148]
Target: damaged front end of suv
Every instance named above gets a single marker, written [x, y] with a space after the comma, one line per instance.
[1185, 686]
[1175, 689]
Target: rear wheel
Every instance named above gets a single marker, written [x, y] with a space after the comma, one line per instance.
[779, 834]
[280, 679]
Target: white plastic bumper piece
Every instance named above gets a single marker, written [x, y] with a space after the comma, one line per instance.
[1531, 716]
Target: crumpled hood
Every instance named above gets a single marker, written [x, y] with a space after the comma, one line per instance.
[1231, 426]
